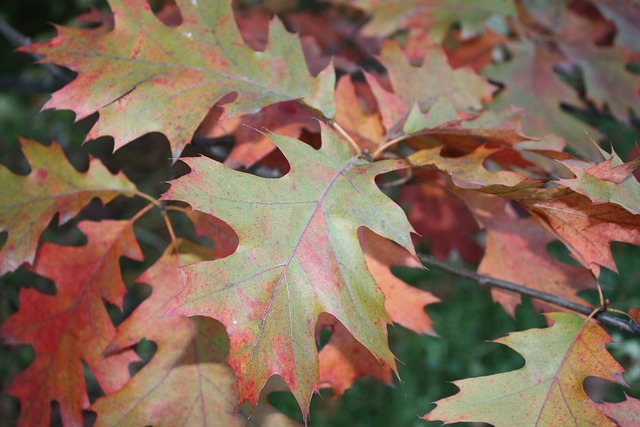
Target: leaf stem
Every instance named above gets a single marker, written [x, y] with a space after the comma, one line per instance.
[346, 136]
[142, 212]
[156, 203]
[172, 234]
[386, 145]
[178, 209]
[481, 279]
[148, 198]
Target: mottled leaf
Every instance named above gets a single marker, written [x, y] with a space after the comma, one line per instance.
[431, 95]
[606, 78]
[146, 76]
[469, 171]
[626, 413]
[436, 16]
[586, 229]
[298, 256]
[186, 382]
[626, 15]
[27, 203]
[343, 359]
[548, 390]
[286, 118]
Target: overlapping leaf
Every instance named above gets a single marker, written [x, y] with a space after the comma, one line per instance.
[611, 181]
[343, 359]
[27, 203]
[516, 251]
[434, 90]
[443, 219]
[626, 413]
[298, 256]
[606, 77]
[436, 16]
[586, 229]
[549, 389]
[72, 326]
[187, 381]
[405, 304]
[146, 76]
[286, 118]
[531, 71]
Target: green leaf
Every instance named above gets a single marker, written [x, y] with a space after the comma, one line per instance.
[145, 76]
[438, 16]
[548, 390]
[27, 203]
[298, 256]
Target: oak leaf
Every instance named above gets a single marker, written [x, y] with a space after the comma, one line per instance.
[549, 389]
[146, 76]
[626, 15]
[611, 181]
[531, 71]
[516, 251]
[72, 326]
[186, 382]
[586, 229]
[469, 171]
[606, 77]
[625, 413]
[27, 203]
[435, 16]
[343, 359]
[442, 218]
[434, 91]
[298, 256]
[286, 118]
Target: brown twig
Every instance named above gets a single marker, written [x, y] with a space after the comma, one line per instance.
[481, 279]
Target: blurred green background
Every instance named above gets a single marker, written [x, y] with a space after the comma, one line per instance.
[465, 321]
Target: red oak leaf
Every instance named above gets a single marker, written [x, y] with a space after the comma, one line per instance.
[72, 326]
[146, 76]
[298, 256]
[186, 382]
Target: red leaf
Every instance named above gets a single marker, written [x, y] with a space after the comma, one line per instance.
[287, 118]
[443, 219]
[626, 413]
[516, 251]
[343, 359]
[72, 326]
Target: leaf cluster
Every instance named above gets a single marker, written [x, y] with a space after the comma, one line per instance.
[291, 135]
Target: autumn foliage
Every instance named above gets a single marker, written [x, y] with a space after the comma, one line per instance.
[339, 113]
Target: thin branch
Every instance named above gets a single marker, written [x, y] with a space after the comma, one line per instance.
[605, 318]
